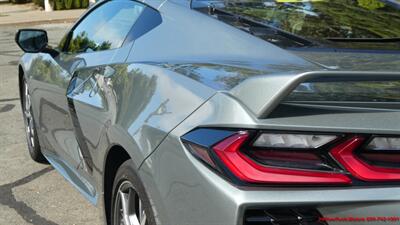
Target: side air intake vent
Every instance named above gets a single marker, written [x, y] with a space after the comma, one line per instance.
[283, 216]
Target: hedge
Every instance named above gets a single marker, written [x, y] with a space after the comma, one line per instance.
[63, 4]
[19, 1]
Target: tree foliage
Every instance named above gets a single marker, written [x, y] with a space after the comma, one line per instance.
[336, 18]
[81, 43]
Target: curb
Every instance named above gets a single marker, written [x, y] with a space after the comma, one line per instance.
[39, 22]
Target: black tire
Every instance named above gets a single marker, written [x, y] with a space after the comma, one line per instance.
[127, 173]
[31, 137]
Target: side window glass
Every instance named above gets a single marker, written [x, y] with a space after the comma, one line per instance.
[106, 27]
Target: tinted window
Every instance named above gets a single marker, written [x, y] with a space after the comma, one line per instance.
[351, 24]
[365, 91]
[324, 18]
[106, 27]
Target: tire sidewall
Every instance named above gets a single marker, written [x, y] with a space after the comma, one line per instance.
[127, 172]
[34, 151]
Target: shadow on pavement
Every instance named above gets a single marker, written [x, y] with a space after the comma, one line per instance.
[7, 198]
[6, 108]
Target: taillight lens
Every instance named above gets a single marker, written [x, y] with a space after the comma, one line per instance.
[231, 153]
[296, 158]
[378, 161]
[290, 159]
[292, 141]
[291, 150]
[384, 144]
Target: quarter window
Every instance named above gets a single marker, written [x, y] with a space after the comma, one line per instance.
[106, 27]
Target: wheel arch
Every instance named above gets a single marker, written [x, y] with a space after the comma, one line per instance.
[21, 74]
[115, 157]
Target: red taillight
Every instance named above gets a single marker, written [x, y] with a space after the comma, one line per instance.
[202, 154]
[290, 159]
[256, 157]
[345, 154]
[381, 159]
[229, 151]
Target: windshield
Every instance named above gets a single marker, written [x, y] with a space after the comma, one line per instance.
[333, 20]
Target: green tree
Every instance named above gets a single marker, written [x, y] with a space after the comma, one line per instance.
[81, 43]
[371, 4]
[339, 18]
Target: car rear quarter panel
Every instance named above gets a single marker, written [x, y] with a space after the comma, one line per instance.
[188, 192]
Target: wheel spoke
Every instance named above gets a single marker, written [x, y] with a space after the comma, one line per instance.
[32, 142]
[143, 218]
[133, 217]
[27, 98]
[142, 213]
[125, 207]
[130, 209]
[29, 123]
[131, 200]
[31, 126]
[27, 114]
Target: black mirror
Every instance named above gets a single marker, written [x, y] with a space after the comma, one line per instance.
[31, 40]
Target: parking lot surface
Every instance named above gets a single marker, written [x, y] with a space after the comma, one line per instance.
[31, 193]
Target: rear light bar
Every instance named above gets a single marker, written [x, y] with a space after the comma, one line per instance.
[229, 151]
[362, 169]
[258, 157]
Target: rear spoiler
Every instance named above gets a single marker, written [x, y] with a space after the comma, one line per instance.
[263, 94]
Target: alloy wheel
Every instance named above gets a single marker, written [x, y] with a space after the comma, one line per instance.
[29, 123]
[129, 208]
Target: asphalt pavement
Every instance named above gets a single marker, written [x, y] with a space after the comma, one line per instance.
[31, 193]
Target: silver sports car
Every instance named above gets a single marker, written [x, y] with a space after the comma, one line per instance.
[222, 112]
